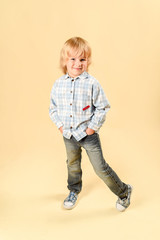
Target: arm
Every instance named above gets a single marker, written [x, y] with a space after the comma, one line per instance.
[53, 109]
[101, 105]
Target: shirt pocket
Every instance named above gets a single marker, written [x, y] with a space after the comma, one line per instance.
[86, 104]
[83, 102]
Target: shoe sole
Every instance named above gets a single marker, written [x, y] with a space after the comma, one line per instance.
[68, 207]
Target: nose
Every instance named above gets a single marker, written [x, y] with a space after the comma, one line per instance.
[77, 63]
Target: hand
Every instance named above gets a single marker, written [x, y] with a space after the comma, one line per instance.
[90, 131]
[61, 129]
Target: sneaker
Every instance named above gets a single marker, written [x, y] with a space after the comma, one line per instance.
[70, 201]
[124, 203]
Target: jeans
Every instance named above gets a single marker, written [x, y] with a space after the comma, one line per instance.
[92, 145]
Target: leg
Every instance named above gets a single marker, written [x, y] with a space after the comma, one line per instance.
[74, 165]
[92, 145]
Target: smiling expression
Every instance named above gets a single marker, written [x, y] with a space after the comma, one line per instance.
[76, 65]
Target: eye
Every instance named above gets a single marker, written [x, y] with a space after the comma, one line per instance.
[83, 59]
[72, 59]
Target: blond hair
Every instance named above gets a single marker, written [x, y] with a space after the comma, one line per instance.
[77, 45]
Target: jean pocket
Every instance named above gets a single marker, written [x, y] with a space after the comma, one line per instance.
[94, 135]
[90, 134]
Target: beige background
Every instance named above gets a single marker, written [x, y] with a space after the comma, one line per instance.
[124, 36]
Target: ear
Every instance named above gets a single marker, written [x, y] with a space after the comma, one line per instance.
[65, 62]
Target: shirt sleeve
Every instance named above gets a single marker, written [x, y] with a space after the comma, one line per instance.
[53, 108]
[101, 105]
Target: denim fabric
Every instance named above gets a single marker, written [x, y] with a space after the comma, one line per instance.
[92, 145]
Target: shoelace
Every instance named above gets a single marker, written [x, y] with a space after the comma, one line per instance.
[122, 200]
[72, 197]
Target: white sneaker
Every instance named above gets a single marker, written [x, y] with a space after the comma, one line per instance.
[124, 203]
[70, 201]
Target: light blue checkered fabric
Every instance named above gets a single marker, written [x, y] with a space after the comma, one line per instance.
[77, 104]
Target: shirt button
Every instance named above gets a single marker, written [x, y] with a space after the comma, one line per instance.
[70, 104]
[72, 80]
[71, 91]
[70, 127]
[70, 115]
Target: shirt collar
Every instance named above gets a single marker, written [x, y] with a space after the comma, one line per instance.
[82, 76]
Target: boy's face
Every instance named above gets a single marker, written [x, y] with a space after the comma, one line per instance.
[76, 65]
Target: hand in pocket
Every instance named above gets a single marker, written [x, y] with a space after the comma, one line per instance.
[90, 131]
[61, 129]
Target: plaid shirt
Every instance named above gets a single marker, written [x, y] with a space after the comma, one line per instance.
[78, 104]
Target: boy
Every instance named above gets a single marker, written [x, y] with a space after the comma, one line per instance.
[78, 107]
